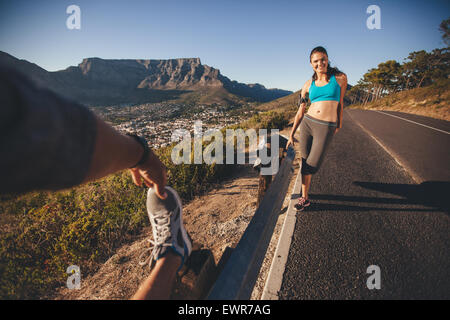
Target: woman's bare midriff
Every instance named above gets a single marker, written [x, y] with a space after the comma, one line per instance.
[324, 110]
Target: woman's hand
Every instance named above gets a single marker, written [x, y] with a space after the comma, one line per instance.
[153, 172]
[336, 130]
[291, 142]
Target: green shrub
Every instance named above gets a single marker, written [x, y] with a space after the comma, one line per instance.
[82, 226]
[267, 120]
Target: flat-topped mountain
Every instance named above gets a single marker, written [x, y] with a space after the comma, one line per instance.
[98, 81]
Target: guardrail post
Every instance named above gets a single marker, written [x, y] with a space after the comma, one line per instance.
[266, 180]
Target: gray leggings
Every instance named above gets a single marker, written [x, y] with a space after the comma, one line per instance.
[315, 136]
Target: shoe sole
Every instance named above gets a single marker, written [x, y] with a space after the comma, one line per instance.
[184, 233]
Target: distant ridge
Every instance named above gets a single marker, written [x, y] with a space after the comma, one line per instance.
[97, 81]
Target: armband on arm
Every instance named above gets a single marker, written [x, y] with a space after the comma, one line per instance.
[303, 100]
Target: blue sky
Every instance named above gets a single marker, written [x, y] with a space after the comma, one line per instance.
[249, 41]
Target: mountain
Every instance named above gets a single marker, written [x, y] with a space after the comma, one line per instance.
[98, 81]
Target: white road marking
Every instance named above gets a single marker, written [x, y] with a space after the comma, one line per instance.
[420, 124]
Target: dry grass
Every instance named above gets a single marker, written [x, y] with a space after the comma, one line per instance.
[431, 101]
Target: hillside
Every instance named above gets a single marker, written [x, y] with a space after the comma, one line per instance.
[431, 101]
[97, 81]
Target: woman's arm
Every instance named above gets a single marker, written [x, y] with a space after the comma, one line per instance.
[340, 110]
[114, 151]
[299, 116]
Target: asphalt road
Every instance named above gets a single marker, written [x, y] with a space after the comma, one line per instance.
[422, 144]
[368, 210]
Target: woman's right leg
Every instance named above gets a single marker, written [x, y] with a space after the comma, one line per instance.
[306, 183]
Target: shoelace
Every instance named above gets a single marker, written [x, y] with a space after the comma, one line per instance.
[161, 233]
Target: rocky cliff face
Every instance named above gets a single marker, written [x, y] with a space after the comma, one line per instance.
[101, 81]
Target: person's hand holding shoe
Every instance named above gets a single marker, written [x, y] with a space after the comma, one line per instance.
[153, 173]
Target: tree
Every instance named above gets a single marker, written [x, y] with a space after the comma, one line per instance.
[389, 76]
[425, 68]
[417, 69]
[439, 64]
[355, 94]
[365, 88]
[444, 27]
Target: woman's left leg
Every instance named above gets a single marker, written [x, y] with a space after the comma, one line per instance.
[322, 137]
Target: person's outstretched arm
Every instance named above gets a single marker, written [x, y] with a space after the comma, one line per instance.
[297, 120]
[114, 151]
[48, 142]
[298, 117]
[340, 109]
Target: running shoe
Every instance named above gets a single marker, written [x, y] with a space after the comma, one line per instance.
[166, 218]
[302, 204]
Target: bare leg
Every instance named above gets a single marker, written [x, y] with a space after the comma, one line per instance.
[306, 182]
[159, 283]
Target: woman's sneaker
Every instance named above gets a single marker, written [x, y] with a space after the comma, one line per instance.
[166, 218]
[302, 204]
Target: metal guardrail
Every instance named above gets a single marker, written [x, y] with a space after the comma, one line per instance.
[240, 272]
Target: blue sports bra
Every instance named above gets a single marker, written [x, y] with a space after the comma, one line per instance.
[330, 91]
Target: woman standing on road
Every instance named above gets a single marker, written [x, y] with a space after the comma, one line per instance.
[326, 91]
